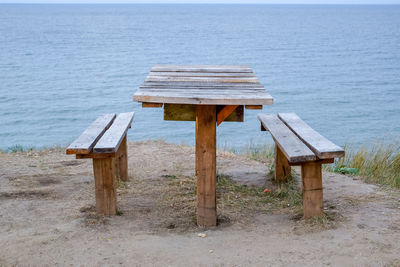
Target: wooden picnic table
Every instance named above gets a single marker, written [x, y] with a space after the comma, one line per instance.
[209, 95]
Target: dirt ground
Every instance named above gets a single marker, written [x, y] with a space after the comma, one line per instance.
[47, 216]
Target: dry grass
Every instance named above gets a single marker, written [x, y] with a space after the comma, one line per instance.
[262, 153]
[236, 203]
[377, 163]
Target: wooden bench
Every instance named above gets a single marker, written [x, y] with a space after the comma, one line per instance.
[104, 141]
[296, 143]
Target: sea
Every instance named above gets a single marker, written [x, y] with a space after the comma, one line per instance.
[62, 65]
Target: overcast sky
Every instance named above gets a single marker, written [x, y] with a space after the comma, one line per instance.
[214, 1]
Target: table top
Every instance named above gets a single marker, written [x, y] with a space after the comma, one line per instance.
[203, 84]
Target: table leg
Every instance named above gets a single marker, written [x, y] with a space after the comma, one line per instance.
[206, 173]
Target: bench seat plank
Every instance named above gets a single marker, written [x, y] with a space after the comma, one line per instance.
[293, 148]
[86, 141]
[112, 138]
[322, 147]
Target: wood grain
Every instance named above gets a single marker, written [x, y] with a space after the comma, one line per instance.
[201, 68]
[86, 141]
[254, 107]
[282, 167]
[225, 112]
[104, 177]
[206, 165]
[322, 147]
[112, 138]
[151, 105]
[203, 85]
[200, 74]
[204, 99]
[123, 160]
[311, 174]
[291, 146]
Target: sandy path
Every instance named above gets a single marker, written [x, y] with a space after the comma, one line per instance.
[46, 218]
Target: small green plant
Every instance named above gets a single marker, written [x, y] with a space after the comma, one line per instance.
[121, 184]
[119, 212]
[169, 176]
[15, 149]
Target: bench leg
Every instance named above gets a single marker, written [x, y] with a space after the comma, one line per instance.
[282, 167]
[206, 173]
[123, 161]
[311, 174]
[104, 178]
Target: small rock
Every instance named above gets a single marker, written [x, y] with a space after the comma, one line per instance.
[202, 235]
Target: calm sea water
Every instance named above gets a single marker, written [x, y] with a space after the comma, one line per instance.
[61, 66]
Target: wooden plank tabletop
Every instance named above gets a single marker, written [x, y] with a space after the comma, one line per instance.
[203, 84]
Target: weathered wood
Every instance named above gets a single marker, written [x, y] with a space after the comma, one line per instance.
[222, 93]
[96, 155]
[322, 147]
[184, 112]
[203, 85]
[199, 74]
[200, 84]
[320, 161]
[123, 160]
[111, 140]
[254, 107]
[225, 112]
[201, 79]
[282, 167]
[311, 174]
[198, 99]
[104, 176]
[206, 165]
[179, 112]
[293, 148]
[236, 115]
[201, 68]
[151, 105]
[85, 142]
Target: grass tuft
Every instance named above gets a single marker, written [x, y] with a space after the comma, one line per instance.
[15, 149]
[378, 163]
[261, 153]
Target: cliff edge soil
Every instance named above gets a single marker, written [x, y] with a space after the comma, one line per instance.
[47, 215]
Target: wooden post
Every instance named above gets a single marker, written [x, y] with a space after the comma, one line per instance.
[104, 178]
[282, 167]
[123, 160]
[206, 165]
[311, 175]
[116, 164]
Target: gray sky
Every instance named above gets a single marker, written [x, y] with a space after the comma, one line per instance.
[214, 1]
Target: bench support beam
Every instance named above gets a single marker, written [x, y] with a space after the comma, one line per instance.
[206, 173]
[311, 174]
[104, 178]
[282, 167]
[121, 161]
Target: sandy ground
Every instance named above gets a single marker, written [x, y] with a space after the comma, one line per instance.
[47, 217]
